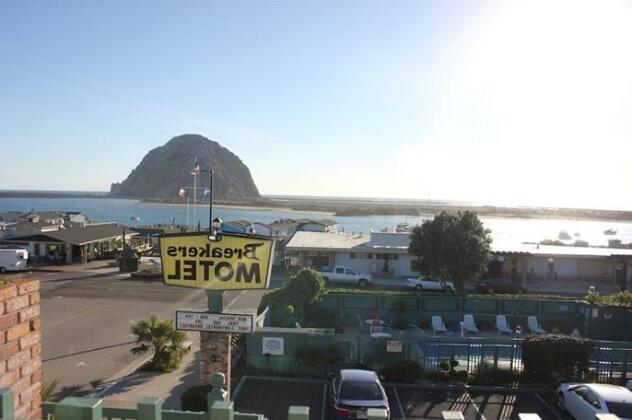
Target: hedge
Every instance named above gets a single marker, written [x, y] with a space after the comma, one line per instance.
[553, 358]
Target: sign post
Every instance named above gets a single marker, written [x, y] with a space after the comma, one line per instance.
[217, 262]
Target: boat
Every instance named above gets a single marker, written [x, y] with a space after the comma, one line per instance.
[610, 232]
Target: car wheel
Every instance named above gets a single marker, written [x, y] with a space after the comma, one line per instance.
[363, 283]
[419, 288]
[560, 401]
[490, 290]
[3, 270]
[448, 289]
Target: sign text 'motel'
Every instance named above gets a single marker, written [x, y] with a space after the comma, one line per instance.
[232, 263]
[214, 322]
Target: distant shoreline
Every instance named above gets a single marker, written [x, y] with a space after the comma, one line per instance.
[352, 207]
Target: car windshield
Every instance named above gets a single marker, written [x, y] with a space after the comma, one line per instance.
[360, 391]
[623, 410]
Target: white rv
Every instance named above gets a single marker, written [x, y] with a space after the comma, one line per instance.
[13, 259]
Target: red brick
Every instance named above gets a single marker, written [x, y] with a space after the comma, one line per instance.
[36, 324]
[29, 313]
[16, 303]
[3, 367]
[30, 339]
[7, 292]
[2, 308]
[29, 393]
[28, 286]
[8, 321]
[9, 378]
[36, 376]
[23, 412]
[19, 359]
[36, 350]
[28, 369]
[8, 350]
[18, 331]
[20, 386]
[34, 298]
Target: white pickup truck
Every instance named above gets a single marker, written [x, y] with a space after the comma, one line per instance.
[346, 275]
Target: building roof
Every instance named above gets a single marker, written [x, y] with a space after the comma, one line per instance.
[325, 241]
[323, 222]
[559, 250]
[79, 235]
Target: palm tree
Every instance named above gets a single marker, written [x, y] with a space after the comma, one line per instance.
[159, 337]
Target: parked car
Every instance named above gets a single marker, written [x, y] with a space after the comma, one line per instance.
[499, 286]
[346, 275]
[585, 401]
[354, 391]
[420, 283]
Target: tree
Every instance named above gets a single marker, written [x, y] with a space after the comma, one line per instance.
[304, 289]
[452, 247]
[159, 337]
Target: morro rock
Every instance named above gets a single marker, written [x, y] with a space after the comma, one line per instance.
[166, 169]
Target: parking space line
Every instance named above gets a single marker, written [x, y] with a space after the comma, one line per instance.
[399, 404]
[547, 405]
[478, 411]
[324, 405]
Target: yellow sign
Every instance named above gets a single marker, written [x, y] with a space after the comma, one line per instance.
[233, 262]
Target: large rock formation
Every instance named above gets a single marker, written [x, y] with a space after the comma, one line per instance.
[166, 169]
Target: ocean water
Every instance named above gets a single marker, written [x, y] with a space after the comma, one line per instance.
[507, 230]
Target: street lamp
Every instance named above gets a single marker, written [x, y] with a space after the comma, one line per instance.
[215, 234]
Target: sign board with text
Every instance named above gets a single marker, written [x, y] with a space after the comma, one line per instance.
[234, 262]
[394, 346]
[214, 322]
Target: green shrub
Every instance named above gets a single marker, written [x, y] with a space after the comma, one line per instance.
[406, 371]
[486, 374]
[555, 358]
[194, 398]
[623, 299]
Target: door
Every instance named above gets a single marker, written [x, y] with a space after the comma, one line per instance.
[580, 403]
[339, 274]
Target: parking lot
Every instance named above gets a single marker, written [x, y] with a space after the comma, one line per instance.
[273, 396]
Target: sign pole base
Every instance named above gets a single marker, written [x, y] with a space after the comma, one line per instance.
[215, 348]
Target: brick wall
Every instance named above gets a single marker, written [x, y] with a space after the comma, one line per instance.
[20, 346]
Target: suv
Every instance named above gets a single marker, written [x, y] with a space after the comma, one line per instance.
[354, 391]
[499, 286]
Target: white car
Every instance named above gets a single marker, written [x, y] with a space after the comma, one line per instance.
[585, 401]
[420, 283]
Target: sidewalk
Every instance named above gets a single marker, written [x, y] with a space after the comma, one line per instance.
[128, 390]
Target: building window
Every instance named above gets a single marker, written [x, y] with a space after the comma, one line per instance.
[370, 256]
[352, 255]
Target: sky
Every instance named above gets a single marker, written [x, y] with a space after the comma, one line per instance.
[500, 102]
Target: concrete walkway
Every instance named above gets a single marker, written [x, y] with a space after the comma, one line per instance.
[128, 390]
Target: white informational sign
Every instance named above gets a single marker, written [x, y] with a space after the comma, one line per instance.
[273, 346]
[394, 346]
[214, 322]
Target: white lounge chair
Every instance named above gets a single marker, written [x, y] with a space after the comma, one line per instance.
[534, 325]
[468, 324]
[438, 325]
[502, 326]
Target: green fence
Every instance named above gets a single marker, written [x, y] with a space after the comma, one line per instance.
[563, 315]
[609, 359]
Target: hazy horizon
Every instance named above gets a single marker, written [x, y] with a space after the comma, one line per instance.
[515, 102]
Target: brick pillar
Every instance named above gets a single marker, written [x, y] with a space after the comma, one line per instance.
[20, 346]
[215, 356]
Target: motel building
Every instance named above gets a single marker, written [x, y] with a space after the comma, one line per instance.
[73, 245]
[533, 263]
[385, 254]
[381, 254]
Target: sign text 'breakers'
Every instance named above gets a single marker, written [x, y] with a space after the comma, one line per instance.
[233, 262]
[214, 322]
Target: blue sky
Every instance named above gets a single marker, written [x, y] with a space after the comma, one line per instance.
[502, 102]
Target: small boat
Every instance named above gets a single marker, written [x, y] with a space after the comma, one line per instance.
[134, 218]
[610, 232]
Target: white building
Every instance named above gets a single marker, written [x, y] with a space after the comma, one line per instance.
[533, 262]
[323, 225]
[379, 253]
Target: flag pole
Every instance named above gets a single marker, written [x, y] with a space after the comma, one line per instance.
[194, 199]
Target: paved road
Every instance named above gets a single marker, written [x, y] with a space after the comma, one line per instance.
[86, 319]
